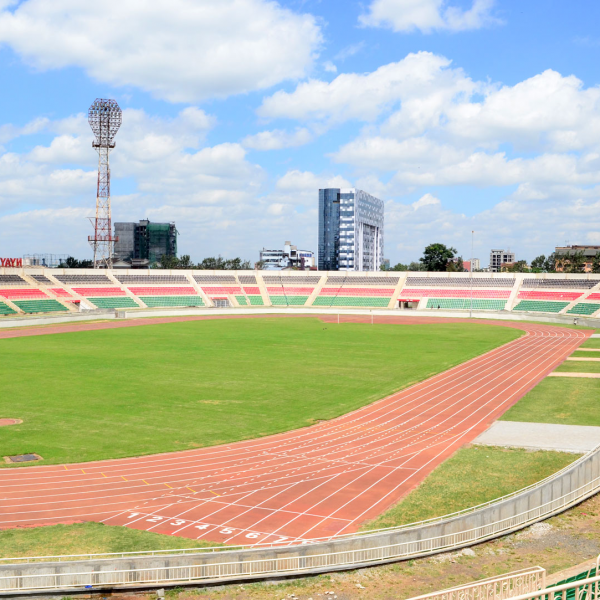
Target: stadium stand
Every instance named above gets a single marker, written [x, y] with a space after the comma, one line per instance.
[465, 304]
[584, 308]
[241, 300]
[354, 296]
[247, 279]
[560, 283]
[12, 280]
[424, 293]
[23, 294]
[72, 279]
[291, 280]
[165, 301]
[594, 296]
[6, 310]
[40, 306]
[162, 291]
[103, 291]
[42, 279]
[256, 300]
[60, 293]
[114, 302]
[348, 301]
[151, 279]
[201, 279]
[492, 282]
[570, 296]
[540, 306]
[220, 290]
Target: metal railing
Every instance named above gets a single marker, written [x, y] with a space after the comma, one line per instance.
[501, 587]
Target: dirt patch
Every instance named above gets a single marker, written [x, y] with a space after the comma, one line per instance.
[6, 422]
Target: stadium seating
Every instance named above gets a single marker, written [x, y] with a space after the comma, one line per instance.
[291, 281]
[102, 291]
[162, 291]
[349, 301]
[476, 293]
[6, 310]
[356, 280]
[465, 304]
[594, 296]
[288, 300]
[218, 279]
[118, 302]
[584, 284]
[570, 296]
[156, 301]
[241, 300]
[40, 306]
[251, 279]
[12, 280]
[251, 290]
[540, 306]
[23, 294]
[42, 279]
[584, 308]
[214, 290]
[256, 300]
[463, 280]
[151, 279]
[353, 291]
[70, 279]
[61, 293]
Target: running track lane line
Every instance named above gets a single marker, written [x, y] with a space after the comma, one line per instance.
[304, 484]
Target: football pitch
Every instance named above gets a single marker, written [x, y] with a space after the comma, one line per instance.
[126, 392]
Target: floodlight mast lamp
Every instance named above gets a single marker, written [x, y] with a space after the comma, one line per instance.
[104, 117]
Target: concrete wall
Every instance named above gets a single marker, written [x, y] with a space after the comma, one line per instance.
[549, 497]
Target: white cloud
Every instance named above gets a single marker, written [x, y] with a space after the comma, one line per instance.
[305, 181]
[428, 15]
[278, 139]
[365, 96]
[178, 50]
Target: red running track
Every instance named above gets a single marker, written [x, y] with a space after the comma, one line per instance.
[311, 483]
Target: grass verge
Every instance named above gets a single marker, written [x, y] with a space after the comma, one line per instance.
[579, 366]
[591, 343]
[113, 393]
[559, 400]
[474, 475]
[86, 538]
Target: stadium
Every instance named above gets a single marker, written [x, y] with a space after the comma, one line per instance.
[274, 425]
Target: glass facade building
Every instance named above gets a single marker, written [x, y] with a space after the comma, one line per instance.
[145, 240]
[350, 230]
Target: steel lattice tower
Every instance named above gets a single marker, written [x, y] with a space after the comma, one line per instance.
[104, 117]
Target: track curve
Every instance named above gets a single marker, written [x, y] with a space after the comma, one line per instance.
[311, 483]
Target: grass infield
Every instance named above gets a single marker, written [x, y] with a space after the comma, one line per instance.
[559, 400]
[473, 475]
[579, 366]
[591, 343]
[92, 395]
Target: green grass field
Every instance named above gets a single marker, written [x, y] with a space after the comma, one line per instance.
[472, 476]
[591, 343]
[557, 400]
[125, 392]
[86, 538]
[579, 366]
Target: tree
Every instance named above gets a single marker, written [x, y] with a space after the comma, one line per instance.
[457, 266]
[436, 257]
[519, 267]
[415, 266]
[573, 262]
[538, 262]
[596, 263]
[398, 267]
[167, 262]
[73, 263]
[221, 264]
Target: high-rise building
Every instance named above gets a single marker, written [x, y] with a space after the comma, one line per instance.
[350, 230]
[145, 242]
[500, 257]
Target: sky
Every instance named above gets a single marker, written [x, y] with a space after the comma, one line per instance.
[462, 115]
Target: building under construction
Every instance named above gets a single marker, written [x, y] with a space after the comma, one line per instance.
[143, 244]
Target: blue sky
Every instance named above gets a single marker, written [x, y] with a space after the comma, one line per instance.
[462, 115]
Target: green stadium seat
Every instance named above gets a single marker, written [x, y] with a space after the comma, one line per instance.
[347, 301]
[6, 310]
[540, 306]
[465, 304]
[256, 300]
[289, 300]
[584, 308]
[40, 306]
[175, 301]
[117, 302]
[242, 300]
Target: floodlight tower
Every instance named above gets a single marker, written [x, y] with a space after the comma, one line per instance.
[104, 117]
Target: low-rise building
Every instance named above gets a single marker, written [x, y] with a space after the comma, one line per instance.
[476, 265]
[499, 258]
[587, 254]
[288, 258]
